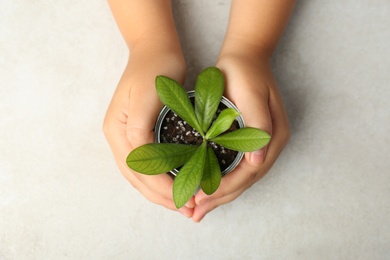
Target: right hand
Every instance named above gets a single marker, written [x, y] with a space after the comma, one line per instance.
[251, 87]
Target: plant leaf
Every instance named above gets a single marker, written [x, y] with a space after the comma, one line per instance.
[212, 173]
[188, 179]
[173, 95]
[208, 93]
[222, 123]
[246, 139]
[159, 158]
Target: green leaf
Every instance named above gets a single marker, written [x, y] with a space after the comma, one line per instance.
[188, 179]
[158, 158]
[173, 95]
[222, 123]
[246, 139]
[208, 93]
[211, 174]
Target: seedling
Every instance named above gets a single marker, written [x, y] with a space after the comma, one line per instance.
[200, 166]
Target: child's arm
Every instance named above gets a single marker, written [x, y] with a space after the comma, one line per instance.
[146, 24]
[255, 27]
[149, 31]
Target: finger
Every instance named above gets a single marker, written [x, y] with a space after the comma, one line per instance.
[240, 177]
[208, 204]
[157, 198]
[191, 203]
[279, 117]
[143, 109]
[201, 211]
[119, 145]
[115, 132]
[253, 105]
[256, 115]
[153, 196]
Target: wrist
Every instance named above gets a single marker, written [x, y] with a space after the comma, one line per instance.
[156, 44]
[165, 60]
[236, 46]
[239, 56]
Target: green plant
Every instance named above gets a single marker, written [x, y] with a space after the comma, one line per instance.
[200, 165]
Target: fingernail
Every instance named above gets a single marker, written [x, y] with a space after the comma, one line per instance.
[186, 214]
[257, 157]
[198, 220]
[198, 202]
[190, 206]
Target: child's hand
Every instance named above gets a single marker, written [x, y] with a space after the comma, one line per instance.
[252, 88]
[149, 31]
[132, 114]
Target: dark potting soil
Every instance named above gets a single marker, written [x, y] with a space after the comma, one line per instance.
[176, 130]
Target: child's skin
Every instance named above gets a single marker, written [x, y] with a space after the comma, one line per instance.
[147, 26]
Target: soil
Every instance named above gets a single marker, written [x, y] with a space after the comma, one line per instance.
[176, 130]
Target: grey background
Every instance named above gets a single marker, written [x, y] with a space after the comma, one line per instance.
[62, 196]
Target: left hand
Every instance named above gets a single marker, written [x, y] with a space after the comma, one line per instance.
[251, 87]
[132, 114]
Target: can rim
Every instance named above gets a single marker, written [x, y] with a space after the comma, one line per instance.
[164, 111]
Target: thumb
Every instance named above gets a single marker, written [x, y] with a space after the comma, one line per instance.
[143, 110]
[255, 112]
[257, 157]
[144, 106]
